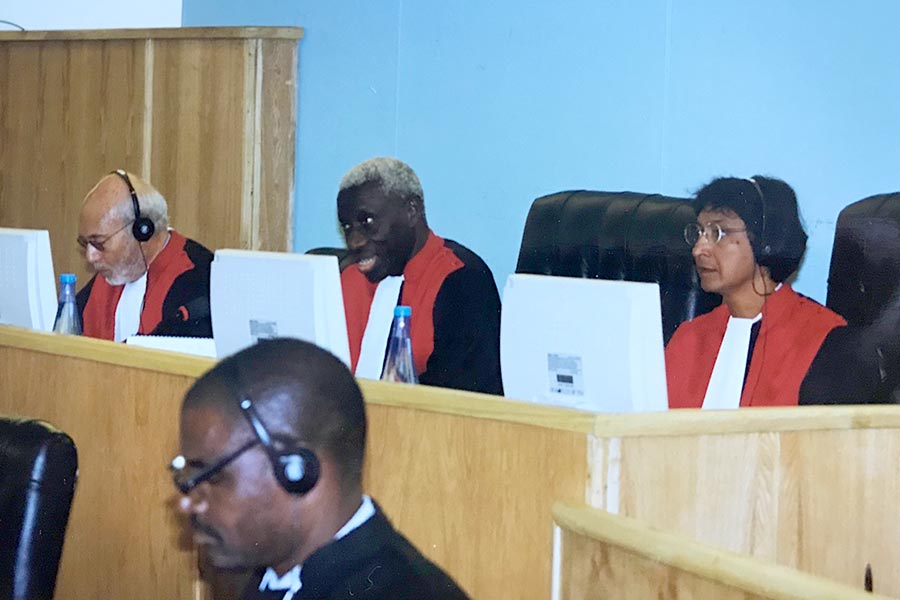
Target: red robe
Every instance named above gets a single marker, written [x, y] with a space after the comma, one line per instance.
[455, 327]
[422, 277]
[791, 331]
[99, 299]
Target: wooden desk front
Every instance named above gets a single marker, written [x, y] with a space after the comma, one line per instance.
[468, 478]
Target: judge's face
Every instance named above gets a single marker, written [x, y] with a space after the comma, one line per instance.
[241, 516]
[105, 236]
[727, 266]
[379, 230]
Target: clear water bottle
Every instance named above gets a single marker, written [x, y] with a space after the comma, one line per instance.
[398, 364]
[67, 318]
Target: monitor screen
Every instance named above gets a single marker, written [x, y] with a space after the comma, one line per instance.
[27, 285]
[589, 344]
[257, 295]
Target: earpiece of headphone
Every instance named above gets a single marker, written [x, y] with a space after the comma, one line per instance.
[143, 228]
[296, 468]
[763, 248]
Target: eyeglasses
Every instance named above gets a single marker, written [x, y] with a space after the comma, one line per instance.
[186, 481]
[713, 232]
[99, 242]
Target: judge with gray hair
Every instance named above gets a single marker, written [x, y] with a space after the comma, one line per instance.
[148, 278]
[397, 259]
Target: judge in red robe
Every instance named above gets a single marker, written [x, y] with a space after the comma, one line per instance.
[754, 349]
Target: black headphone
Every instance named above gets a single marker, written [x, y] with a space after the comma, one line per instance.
[143, 228]
[763, 248]
[296, 468]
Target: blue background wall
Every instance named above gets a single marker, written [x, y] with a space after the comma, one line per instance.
[497, 103]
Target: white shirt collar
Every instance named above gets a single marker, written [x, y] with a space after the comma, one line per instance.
[290, 582]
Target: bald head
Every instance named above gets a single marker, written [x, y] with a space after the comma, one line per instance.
[111, 199]
[303, 394]
[104, 231]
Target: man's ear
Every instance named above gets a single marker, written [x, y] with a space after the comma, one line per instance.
[414, 210]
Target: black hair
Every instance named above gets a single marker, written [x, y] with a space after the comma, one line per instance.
[768, 207]
[303, 391]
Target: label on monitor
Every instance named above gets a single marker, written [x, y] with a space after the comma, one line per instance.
[564, 372]
[263, 330]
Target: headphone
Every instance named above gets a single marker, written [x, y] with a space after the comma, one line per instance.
[763, 248]
[143, 228]
[296, 468]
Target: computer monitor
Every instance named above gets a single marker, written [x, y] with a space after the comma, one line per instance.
[27, 285]
[589, 344]
[257, 295]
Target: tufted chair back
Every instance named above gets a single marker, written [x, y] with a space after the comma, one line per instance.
[621, 236]
[860, 363]
[38, 469]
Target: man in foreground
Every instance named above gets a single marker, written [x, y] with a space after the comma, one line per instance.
[272, 443]
[455, 328]
[149, 279]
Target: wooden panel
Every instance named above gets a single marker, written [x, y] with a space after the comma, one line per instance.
[122, 540]
[69, 113]
[473, 494]
[277, 141]
[283, 33]
[468, 489]
[210, 120]
[820, 501]
[199, 99]
[607, 556]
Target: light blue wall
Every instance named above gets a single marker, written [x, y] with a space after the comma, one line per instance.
[496, 103]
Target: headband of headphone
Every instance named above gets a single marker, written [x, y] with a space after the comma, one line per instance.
[763, 245]
[143, 228]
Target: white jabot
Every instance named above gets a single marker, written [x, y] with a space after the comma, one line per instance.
[290, 582]
[128, 310]
[727, 380]
[378, 328]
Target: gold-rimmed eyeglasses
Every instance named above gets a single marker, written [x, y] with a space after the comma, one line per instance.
[713, 232]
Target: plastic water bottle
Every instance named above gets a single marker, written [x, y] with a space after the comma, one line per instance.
[68, 320]
[398, 364]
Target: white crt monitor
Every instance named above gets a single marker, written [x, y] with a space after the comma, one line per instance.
[589, 344]
[27, 285]
[257, 295]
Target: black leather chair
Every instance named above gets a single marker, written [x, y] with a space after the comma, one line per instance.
[38, 469]
[621, 236]
[860, 363]
[342, 254]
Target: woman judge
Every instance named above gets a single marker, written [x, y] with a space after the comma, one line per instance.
[755, 348]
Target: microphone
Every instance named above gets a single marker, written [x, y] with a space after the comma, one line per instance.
[198, 308]
[191, 318]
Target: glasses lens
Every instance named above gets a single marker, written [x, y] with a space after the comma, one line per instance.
[714, 233]
[691, 233]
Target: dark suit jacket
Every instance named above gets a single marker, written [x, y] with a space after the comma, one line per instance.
[374, 561]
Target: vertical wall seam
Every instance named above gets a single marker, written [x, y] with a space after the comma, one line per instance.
[397, 80]
[256, 233]
[147, 134]
[667, 59]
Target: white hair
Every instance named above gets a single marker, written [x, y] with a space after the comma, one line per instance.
[152, 203]
[395, 176]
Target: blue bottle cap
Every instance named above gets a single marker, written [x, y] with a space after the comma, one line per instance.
[67, 278]
[402, 311]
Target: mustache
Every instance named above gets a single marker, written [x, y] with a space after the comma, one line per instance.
[205, 529]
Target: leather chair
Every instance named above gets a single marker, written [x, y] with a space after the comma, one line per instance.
[620, 236]
[38, 469]
[860, 363]
[342, 254]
